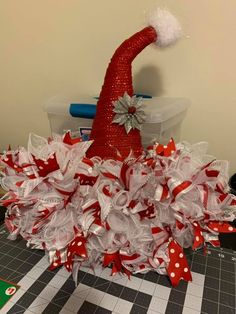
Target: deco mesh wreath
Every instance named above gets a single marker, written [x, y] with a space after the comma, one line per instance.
[109, 201]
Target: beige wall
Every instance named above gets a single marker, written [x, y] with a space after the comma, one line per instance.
[52, 47]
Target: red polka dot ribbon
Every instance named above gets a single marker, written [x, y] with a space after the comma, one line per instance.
[76, 248]
[221, 227]
[198, 236]
[178, 266]
[46, 166]
[165, 150]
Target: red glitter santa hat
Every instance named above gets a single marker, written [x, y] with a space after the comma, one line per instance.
[116, 127]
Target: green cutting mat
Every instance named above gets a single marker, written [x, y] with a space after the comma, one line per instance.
[7, 290]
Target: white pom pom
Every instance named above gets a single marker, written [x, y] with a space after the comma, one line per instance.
[167, 27]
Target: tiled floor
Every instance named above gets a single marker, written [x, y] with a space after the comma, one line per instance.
[43, 291]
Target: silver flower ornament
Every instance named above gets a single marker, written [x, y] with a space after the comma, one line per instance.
[128, 112]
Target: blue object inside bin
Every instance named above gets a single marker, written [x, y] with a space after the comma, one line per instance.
[88, 111]
[143, 96]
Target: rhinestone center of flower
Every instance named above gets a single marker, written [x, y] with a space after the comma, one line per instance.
[132, 110]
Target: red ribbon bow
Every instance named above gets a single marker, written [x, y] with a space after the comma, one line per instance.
[115, 260]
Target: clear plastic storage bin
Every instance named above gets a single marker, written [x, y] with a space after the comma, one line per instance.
[164, 117]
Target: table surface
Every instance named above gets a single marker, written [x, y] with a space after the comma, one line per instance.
[44, 291]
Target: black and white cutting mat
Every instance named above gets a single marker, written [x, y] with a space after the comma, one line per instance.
[42, 291]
